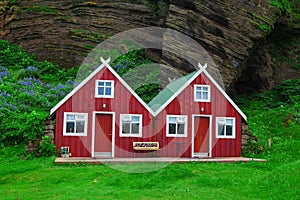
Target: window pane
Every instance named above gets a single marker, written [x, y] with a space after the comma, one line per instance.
[229, 130]
[135, 128]
[221, 121]
[70, 127]
[108, 91]
[220, 129]
[100, 91]
[135, 119]
[108, 84]
[198, 88]
[172, 119]
[205, 88]
[198, 95]
[70, 117]
[125, 128]
[100, 83]
[172, 128]
[180, 129]
[205, 95]
[229, 121]
[79, 126]
[80, 117]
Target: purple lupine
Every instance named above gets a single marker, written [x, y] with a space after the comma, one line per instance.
[26, 83]
[3, 72]
[32, 69]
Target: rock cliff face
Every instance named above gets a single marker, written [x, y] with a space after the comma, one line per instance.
[232, 31]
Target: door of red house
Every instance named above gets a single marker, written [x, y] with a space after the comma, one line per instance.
[201, 134]
[103, 135]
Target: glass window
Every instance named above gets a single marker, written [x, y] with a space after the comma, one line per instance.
[176, 126]
[104, 89]
[202, 93]
[131, 125]
[75, 124]
[225, 127]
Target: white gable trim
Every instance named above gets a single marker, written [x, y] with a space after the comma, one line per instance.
[80, 85]
[202, 69]
[225, 95]
[130, 90]
[104, 63]
[177, 92]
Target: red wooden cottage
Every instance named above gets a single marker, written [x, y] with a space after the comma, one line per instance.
[191, 117]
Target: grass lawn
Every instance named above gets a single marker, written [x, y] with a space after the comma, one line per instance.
[41, 179]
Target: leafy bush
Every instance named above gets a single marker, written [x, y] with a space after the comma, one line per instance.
[275, 115]
[46, 147]
[28, 89]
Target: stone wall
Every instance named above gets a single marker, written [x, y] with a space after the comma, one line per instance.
[247, 136]
[49, 130]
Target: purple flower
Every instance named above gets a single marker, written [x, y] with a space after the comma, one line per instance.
[27, 83]
[3, 72]
[32, 69]
[60, 86]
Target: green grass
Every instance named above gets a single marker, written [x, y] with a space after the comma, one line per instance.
[41, 179]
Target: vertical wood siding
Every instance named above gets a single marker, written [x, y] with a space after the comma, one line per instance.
[154, 128]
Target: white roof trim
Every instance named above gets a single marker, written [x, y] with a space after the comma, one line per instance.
[130, 90]
[82, 83]
[202, 69]
[177, 92]
[225, 95]
[105, 63]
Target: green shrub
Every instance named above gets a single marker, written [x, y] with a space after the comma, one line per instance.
[46, 147]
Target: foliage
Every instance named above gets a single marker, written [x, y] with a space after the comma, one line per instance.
[148, 91]
[28, 89]
[274, 116]
[46, 147]
[130, 60]
[282, 5]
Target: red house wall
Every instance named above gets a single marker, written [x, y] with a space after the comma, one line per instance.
[84, 101]
[184, 104]
[154, 128]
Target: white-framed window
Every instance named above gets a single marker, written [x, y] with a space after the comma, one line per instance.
[130, 125]
[225, 127]
[202, 93]
[104, 89]
[176, 126]
[75, 124]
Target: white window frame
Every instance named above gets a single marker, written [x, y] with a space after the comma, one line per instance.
[76, 119]
[195, 93]
[104, 95]
[179, 118]
[233, 127]
[129, 116]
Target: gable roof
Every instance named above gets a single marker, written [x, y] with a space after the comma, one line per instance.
[172, 88]
[82, 83]
[165, 97]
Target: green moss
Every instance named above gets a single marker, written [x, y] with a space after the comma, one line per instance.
[263, 27]
[88, 46]
[40, 9]
[89, 35]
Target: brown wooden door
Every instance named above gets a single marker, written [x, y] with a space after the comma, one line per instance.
[103, 135]
[201, 131]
